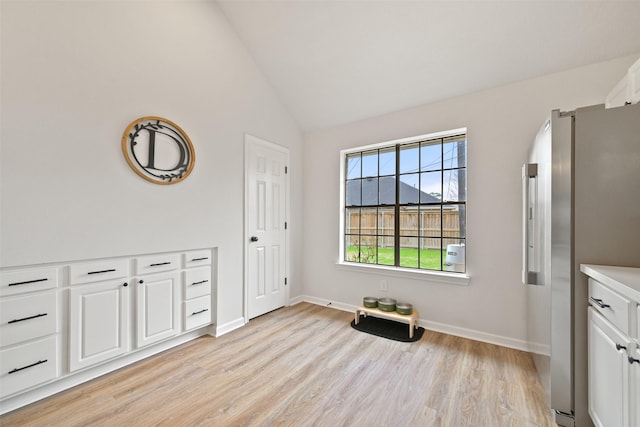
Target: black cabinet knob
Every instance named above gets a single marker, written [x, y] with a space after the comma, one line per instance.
[125, 284]
[141, 281]
[633, 360]
[254, 238]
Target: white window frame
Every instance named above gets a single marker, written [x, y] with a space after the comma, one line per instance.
[385, 270]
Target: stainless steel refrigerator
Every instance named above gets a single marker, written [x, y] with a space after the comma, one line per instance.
[581, 204]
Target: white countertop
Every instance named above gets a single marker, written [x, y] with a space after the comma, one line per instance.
[625, 280]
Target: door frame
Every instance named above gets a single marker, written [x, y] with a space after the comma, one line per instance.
[250, 140]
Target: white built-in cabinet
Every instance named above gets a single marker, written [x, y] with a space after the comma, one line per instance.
[614, 345]
[29, 339]
[68, 320]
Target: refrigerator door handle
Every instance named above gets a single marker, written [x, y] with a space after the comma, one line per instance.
[529, 180]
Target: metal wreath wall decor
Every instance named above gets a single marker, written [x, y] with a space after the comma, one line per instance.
[158, 150]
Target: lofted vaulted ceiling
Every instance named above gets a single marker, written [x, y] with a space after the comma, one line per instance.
[336, 61]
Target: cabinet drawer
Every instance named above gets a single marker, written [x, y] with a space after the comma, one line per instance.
[27, 365]
[197, 258]
[156, 263]
[197, 282]
[612, 306]
[88, 272]
[21, 281]
[28, 317]
[197, 312]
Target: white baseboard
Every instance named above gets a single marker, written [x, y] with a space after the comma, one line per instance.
[473, 334]
[541, 349]
[434, 326]
[325, 302]
[229, 326]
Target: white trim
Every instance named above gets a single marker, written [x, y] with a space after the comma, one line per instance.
[439, 277]
[248, 140]
[538, 348]
[229, 326]
[435, 135]
[432, 326]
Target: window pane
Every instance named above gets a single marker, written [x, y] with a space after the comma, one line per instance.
[454, 185]
[353, 193]
[368, 250]
[387, 190]
[409, 158]
[385, 251]
[368, 221]
[409, 222]
[430, 217]
[352, 221]
[409, 252]
[386, 222]
[370, 163]
[431, 155]
[455, 153]
[409, 192]
[431, 187]
[353, 166]
[351, 248]
[369, 191]
[454, 221]
[388, 161]
[431, 256]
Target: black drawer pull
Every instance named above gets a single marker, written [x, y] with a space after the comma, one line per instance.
[200, 259]
[633, 360]
[27, 318]
[111, 270]
[199, 283]
[599, 303]
[620, 347]
[160, 263]
[27, 282]
[39, 362]
[198, 312]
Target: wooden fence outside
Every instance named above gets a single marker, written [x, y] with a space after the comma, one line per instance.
[414, 227]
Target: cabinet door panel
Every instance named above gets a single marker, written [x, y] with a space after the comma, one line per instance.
[608, 373]
[99, 323]
[158, 308]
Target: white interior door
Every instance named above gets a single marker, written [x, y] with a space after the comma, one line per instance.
[266, 251]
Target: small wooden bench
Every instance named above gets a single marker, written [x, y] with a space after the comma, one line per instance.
[411, 319]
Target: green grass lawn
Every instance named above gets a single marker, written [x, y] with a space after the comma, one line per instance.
[429, 258]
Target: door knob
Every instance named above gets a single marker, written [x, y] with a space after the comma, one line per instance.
[254, 238]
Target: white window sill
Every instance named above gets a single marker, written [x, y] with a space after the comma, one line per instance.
[441, 277]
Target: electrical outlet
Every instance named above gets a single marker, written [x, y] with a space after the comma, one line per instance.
[384, 285]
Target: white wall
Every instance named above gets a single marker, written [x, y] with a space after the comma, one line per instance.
[501, 124]
[74, 75]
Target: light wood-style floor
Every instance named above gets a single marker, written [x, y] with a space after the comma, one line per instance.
[305, 366]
